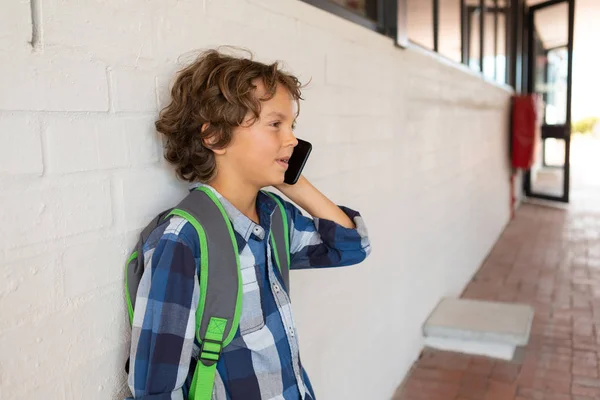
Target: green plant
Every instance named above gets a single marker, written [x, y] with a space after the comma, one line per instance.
[585, 125]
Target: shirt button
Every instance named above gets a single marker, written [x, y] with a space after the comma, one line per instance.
[276, 287]
[291, 331]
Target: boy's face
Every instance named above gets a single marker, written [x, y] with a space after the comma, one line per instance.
[258, 153]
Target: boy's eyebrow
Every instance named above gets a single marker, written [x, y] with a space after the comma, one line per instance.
[277, 114]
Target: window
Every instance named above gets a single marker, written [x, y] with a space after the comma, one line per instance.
[419, 15]
[473, 29]
[501, 36]
[494, 58]
[469, 31]
[449, 37]
[473, 32]
[489, 43]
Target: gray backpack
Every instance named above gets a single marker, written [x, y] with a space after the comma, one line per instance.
[218, 312]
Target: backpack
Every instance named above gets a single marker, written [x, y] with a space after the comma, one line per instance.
[218, 312]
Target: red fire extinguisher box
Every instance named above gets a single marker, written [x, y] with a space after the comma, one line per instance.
[525, 130]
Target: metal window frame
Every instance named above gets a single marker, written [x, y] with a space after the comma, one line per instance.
[464, 51]
[496, 10]
[383, 22]
[436, 24]
[482, 12]
[466, 19]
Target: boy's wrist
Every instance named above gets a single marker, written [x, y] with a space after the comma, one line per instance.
[294, 192]
[309, 198]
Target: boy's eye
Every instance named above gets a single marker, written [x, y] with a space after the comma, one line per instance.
[276, 124]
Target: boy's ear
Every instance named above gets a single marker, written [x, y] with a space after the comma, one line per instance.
[209, 142]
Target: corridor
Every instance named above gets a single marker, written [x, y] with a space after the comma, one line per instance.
[548, 258]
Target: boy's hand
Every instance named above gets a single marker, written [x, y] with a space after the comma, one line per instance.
[292, 191]
[314, 202]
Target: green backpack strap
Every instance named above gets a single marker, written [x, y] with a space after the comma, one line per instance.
[203, 381]
[218, 312]
[280, 239]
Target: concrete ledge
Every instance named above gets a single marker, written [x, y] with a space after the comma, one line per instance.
[488, 349]
[479, 327]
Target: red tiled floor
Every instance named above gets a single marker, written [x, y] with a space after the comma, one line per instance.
[548, 258]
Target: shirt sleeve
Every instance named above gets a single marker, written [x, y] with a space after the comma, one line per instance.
[321, 243]
[163, 327]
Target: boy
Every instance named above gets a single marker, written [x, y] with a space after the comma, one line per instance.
[229, 127]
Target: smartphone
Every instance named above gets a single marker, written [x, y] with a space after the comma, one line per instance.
[297, 161]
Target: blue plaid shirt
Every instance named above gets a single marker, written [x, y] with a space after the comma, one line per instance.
[263, 360]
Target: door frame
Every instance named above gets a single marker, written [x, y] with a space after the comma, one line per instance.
[550, 132]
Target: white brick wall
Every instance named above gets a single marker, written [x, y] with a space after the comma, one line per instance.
[43, 82]
[15, 25]
[418, 146]
[18, 131]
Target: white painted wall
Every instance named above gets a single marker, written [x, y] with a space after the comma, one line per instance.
[418, 146]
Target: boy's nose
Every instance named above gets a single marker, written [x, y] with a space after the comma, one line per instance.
[291, 140]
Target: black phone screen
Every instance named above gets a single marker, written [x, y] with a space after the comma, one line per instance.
[297, 161]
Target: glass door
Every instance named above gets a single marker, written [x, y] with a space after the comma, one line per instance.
[550, 69]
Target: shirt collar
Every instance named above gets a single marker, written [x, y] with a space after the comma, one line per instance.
[243, 225]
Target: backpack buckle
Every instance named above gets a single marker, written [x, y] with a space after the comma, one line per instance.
[210, 351]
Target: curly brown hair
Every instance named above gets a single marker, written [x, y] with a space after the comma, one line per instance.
[215, 89]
